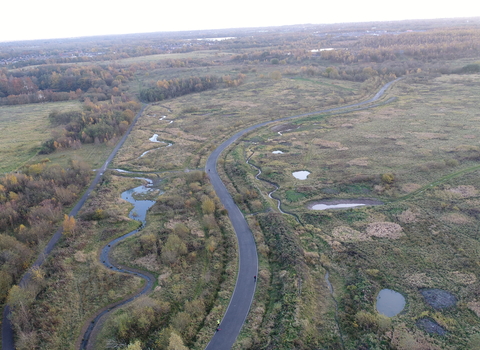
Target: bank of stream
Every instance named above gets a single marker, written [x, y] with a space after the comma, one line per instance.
[139, 213]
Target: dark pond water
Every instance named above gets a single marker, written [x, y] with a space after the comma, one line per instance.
[140, 207]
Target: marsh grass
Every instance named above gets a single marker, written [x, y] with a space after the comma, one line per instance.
[203, 120]
[428, 150]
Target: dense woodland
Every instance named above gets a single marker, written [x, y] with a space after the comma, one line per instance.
[34, 199]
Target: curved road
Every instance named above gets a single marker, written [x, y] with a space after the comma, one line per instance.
[7, 330]
[242, 297]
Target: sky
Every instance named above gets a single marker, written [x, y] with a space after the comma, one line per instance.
[43, 19]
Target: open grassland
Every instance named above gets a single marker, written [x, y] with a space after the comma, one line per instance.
[418, 154]
[194, 124]
[24, 128]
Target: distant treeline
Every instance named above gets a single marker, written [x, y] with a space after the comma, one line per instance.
[165, 89]
[397, 54]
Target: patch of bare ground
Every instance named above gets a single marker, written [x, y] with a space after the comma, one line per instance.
[410, 187]
[456, 218]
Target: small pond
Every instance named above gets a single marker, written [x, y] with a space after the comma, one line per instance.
[342, 203]
[301, 175]
[139, 212]
[390, 302]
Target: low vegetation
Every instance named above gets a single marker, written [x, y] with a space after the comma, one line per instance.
[417, 152]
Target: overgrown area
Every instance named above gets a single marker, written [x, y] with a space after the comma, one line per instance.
[417, 152]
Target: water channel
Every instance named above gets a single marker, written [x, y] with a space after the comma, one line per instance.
[139, 213]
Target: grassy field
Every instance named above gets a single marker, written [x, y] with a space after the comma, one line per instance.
[194, 124]
[418, 154]
[425, 144]
[24, 128]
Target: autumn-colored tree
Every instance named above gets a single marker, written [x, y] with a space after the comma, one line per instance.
[176, 342]
[173, 249]
[69, 225]
[208, 205]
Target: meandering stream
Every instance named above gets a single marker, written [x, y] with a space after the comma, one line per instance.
[139, 213]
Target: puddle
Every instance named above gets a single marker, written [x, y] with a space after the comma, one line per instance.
[342, 204]
[301, 175]
[389, 302]
[154, 138]
[277, 152]
[335, 206]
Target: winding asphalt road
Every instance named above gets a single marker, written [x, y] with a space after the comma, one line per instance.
[242, 297]
[7, 329]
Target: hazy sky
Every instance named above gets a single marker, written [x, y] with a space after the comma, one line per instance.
[40, 19]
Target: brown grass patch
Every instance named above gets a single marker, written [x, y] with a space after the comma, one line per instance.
[407, 217]
[429, 135]
[326, 143]
[359, 161]
[418, 280]
[464, 191]
[410, 187]
[385, 230]
[347, 234]
[456, 218]
[372, 136]
[475, 307]
[395, 137]
[463, 278]
[149, 262]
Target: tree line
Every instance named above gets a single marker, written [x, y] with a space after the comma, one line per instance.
[165, 89]
[59, 83]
